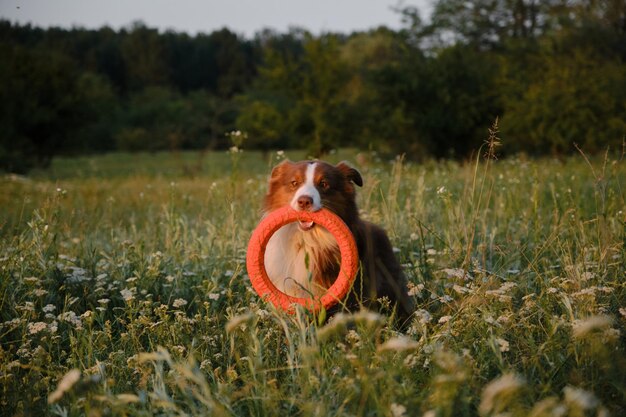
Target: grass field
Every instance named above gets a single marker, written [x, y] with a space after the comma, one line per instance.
[124, 292]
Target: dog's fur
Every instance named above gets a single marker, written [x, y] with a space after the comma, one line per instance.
[303, 259]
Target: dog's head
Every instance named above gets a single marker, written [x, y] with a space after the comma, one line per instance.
[311, 185]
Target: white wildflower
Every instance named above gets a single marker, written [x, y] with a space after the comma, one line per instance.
[423, 316]
[39, 292]
[127, 295]
[457, 273]
[28, 306]
[72, 318]
[397, 410]
[214, 296]
[415, 290]
[205, 364]
[34, 328]
[490, 320]
[263, 314]
[502, 344]
[445, 299]
[353, 338]
[78, 275]
[444, 319]
[501, 293]
[48, 308]
[179, 302]
[104, 301]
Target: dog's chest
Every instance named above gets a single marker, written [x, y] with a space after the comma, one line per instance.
[296, 260]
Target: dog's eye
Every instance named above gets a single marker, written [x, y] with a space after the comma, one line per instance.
[294, 183]
[324, 184]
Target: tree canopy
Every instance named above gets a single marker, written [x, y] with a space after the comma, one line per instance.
[551, 71]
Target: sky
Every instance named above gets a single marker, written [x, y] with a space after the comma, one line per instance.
[245, 17]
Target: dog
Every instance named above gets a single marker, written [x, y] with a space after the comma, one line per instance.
[303, 259]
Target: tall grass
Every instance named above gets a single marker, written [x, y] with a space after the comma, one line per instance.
[124, 292]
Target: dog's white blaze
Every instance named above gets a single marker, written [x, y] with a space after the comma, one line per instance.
[308, 189]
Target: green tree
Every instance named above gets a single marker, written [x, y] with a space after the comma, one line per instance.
[407, 102]
[263, 122]
[144, 57]
[39, 105]
[384, 87]
[98, 113]
[108, 59]
[574, 98]
[490, 23]
[234, 62]
[304, 85]
[159, 118]
[321, 95]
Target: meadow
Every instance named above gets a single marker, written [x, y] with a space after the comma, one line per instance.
[124, 292]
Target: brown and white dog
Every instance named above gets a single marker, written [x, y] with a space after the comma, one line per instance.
[303, 259]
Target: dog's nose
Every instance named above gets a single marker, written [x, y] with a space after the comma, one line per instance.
[305, 202]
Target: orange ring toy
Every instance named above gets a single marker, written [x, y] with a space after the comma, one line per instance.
[255, 260]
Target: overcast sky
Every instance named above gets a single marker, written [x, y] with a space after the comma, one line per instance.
[242, 16]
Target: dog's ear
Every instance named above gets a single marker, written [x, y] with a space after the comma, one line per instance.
[279, 169]
[350, 173]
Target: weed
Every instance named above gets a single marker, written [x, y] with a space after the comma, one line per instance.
[124, 291]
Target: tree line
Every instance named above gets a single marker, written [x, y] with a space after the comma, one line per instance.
[553, 72]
